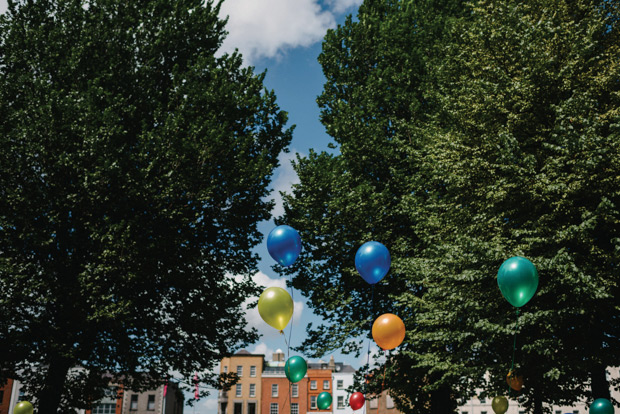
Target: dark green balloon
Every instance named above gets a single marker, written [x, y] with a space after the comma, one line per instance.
[324, 400]
[295, 368]
[518, 280]
[601, 406]
[23, 407]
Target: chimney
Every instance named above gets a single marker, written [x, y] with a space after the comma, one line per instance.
[278, 356]
[332, 364]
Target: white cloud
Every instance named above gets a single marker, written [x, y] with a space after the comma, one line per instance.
[341, 6]
[284, 178]
[263, 349]
[253, 317]
[267, 28]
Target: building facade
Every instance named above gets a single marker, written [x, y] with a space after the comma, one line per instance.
[148, 402]
[342, 378]
[279, 395]
[5, 396]
[244, 397]
[319, 380]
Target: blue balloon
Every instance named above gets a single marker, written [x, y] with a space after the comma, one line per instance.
[284, 245]
[372, 261]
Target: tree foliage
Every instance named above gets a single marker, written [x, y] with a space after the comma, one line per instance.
[470, 133]
[134, 167]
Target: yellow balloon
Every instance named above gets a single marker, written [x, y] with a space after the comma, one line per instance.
[23, 407]
[275, 306]
[499, 405]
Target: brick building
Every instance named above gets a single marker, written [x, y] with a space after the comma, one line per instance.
[319, 380]
[5, 396]
[279, 396]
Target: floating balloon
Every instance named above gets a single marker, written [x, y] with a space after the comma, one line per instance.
[295, 368]
[601, 406]
[388, 331]
[372, 261]
[23, 407]
[518, 280]
[514, 380]
[324, 400]
[284, 245]
[275, 306]
[357, 400]
[499, 405]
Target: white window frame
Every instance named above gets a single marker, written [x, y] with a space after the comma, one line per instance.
[294, 408]
[313, 402]
[252, 390]
[274, 390]
[273, 408]
[253, 371]
[340, 384]
[238, 390]
[240, 370]
[325, 384]
[133, 399]
[313, 385]
[150, 398]
[340, 402]
[295, 390]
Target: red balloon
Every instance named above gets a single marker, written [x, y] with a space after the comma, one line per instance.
[357, 400]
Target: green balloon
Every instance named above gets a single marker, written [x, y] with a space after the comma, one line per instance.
[23, 407]
[295, 368]
[499, 405]
[324, 400]
[518, 280]
[601, 406]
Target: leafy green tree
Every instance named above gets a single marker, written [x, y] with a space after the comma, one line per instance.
[509, 146]
[134, 167]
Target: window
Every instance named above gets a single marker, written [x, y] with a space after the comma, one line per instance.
[251, 408]
[313, 402]
[226, 369]
[389, 402]
[558, 412]
[240, 370]
[521, 412]
[238, 390]
[340, 402]
[253, 371]
[295, 390]
[222, 408]
[326, 384]
[273, 408]
[374, 403]
[483, 412]
[463, 412]
[483, 400]
[313, 385]
[133, 405]
[238, 408]
[294, 408]
[252, 390]
[104, 409]
[340, 384]
[150, 404]
[575, 411]
[274, 390]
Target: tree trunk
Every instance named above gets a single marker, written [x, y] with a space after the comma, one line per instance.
[49, 397]
[600, 386]
[538, 401]
[442, 401]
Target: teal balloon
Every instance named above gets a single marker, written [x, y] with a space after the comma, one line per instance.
[23, 407]
[324, 400]
[601, 406]
[295, 368]
[518, 280]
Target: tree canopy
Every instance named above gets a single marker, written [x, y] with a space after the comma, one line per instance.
[469, 133]
[134, 168]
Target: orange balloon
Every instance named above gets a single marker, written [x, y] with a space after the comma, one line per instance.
[388, 331]
[514, 380]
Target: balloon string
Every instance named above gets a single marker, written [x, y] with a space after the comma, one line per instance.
[290, 334]
[514, 348]
[372, 299]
